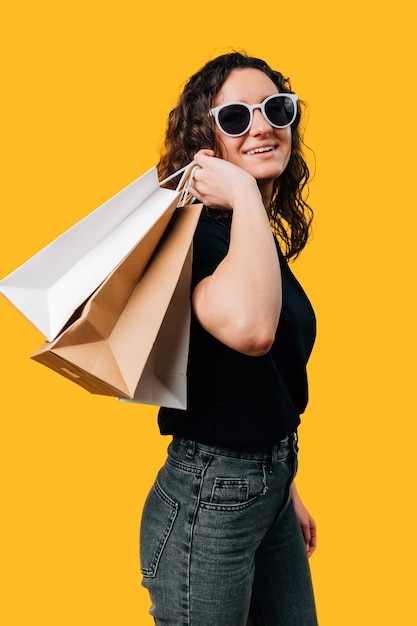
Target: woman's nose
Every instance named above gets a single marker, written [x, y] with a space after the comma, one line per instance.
[260, 124]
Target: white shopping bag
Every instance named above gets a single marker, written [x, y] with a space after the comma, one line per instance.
[50, 286]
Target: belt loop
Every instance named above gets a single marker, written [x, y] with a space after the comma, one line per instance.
[274, 454]
[190, 450]
[295, 441]
[272, 459]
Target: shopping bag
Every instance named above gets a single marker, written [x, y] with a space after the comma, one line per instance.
[50, 286]
[135, 327]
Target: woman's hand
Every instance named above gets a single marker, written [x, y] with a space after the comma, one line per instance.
[218, 183]
[308, 525]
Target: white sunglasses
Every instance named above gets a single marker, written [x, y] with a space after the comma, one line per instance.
[235, 118]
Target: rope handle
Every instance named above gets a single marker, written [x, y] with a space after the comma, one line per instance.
[187, 176]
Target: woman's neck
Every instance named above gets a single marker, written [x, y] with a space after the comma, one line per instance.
[266, 194]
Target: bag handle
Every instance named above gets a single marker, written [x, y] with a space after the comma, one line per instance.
[187, 175]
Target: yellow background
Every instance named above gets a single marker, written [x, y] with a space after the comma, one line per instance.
[86, 88]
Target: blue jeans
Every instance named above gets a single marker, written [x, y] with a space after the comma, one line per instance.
[220, 543]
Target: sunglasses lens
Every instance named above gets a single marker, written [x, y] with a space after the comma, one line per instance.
[234, 119]
[280, 111]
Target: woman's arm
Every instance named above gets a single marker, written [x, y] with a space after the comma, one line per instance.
[240, 303]
[308, 525]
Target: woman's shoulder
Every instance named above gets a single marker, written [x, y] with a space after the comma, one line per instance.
[216, 218]
[212, 226]
[210, 245]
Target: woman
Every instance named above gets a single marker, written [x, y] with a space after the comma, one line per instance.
[224, 536]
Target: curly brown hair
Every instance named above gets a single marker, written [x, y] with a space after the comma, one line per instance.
[190, 128]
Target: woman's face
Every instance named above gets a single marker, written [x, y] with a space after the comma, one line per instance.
[263, 151]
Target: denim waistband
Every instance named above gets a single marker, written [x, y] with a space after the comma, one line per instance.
[261, 453]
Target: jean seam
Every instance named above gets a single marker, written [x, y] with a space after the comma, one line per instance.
[150, 572]
[208, 506]
[184, 466]
[202, 472]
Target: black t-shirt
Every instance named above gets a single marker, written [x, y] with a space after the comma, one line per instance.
[235, 399]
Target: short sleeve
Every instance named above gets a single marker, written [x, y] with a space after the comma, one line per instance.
[210, 246]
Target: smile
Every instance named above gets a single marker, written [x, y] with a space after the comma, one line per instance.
[259, 150]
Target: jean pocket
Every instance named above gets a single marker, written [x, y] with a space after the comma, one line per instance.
[232, 484]
[229, 491]
[158, 519]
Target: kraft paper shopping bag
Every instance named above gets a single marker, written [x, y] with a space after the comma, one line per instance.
[135, 327]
